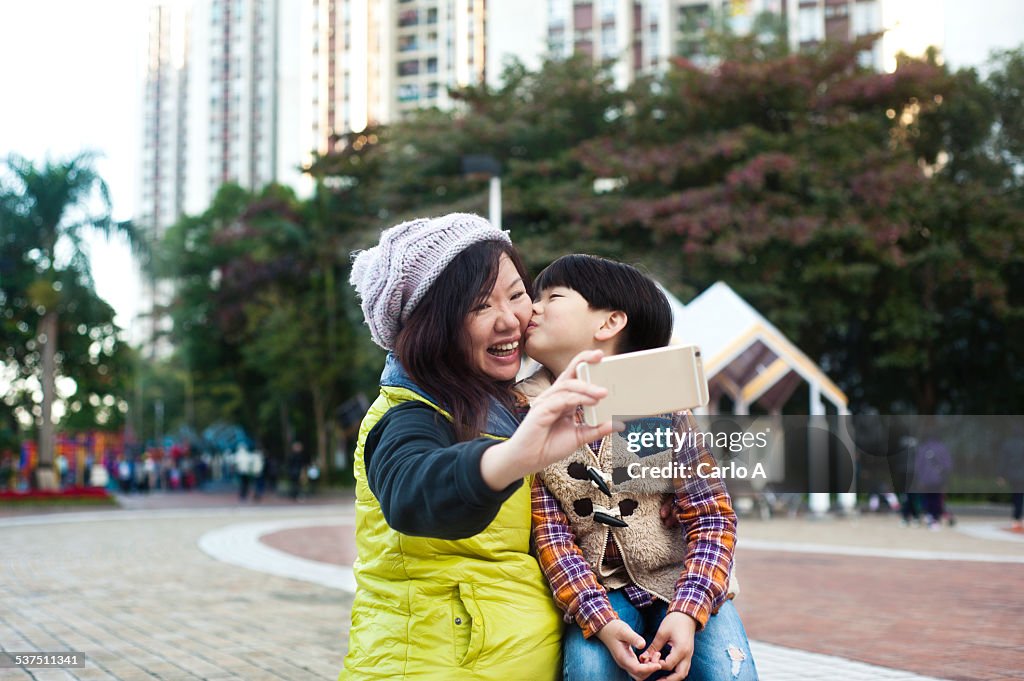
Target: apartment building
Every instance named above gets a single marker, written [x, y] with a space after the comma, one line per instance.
[638, 36]
[248, 91]
[162, 159]
[221, 97]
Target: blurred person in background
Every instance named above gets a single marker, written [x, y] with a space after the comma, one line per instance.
[1011, 468]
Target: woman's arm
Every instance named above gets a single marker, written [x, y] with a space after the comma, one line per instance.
[428, 484]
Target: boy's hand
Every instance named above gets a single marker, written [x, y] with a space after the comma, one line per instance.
[669, 519]
[676, 630]
[620, 639]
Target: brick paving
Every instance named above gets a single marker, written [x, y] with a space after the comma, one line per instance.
[143, 602]
[224, 497]
[325, 544]
[136, 594]
[955, 620]
[951, 619]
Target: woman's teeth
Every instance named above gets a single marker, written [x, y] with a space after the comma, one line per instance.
[504, 349]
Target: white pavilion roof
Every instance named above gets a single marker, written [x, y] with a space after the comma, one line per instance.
[745, 355]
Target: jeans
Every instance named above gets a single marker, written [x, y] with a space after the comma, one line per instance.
[909, 506]
[934, 506]
[715, 647]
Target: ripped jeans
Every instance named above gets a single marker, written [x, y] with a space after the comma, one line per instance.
[721, 651]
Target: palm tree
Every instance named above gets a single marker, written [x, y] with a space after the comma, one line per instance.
[47, 211]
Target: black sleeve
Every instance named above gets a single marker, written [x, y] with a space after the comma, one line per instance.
[429, 485]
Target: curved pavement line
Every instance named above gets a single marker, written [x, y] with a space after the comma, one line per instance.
[331, 510]
[989, 531]
[240, 544]
[779, 662]
[871, 552]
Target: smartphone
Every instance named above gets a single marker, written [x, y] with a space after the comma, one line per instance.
[647, 382]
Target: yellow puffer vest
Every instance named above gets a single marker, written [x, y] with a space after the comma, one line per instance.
[476, 608]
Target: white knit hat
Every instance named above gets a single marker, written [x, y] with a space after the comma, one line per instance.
[392, 277]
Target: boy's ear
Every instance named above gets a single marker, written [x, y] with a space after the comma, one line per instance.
[613, 324]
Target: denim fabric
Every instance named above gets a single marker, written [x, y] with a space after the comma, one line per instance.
[715, 647]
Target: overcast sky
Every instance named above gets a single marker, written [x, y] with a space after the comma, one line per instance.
[68, 78]
[70, 75]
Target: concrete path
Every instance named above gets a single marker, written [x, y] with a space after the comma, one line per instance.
[264, 593]
[136, 593]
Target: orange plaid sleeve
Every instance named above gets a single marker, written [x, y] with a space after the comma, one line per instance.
[572, 581]
[708, 522]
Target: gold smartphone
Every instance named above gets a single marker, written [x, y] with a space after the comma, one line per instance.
[647, 382]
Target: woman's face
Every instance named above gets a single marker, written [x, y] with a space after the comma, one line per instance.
[496, 326]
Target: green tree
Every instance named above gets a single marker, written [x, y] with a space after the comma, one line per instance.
[873, 216]
[263, 317]
[46, 212]
[817, 189]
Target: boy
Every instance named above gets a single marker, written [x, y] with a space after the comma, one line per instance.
[615, 571]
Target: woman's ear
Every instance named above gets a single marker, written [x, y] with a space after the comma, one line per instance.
[613, 324]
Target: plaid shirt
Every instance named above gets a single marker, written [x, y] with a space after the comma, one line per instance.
[706, 518]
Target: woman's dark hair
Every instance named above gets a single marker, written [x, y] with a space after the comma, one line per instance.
[610, 285]
[433, 345]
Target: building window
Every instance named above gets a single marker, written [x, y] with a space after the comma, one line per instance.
[810, 24]
[408, 43]
[432, 65]
[865, 18]
[410, 17]
[432, 90]
[408, 93]
[557, 13]
[836, 11]
[608, 40]
[432, 15]
[584, 36]
[410, 67]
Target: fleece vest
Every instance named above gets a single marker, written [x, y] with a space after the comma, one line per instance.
[476, 608]
[653, 556]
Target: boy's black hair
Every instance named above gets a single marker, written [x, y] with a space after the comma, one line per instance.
[609, 285]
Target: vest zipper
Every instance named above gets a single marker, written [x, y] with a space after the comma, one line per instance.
[606, 442]
[625, 564]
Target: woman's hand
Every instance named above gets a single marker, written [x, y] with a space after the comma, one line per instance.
[549, 432]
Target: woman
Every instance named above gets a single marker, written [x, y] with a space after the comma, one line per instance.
[447, 587]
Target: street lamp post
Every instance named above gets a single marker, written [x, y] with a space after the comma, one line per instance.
[483, 164]
[495, 201]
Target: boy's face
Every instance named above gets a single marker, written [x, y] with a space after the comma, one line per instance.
[562, 326]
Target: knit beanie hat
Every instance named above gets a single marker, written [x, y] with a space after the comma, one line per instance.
[392, 277]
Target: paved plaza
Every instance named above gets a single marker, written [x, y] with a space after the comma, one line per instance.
[200, 587]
